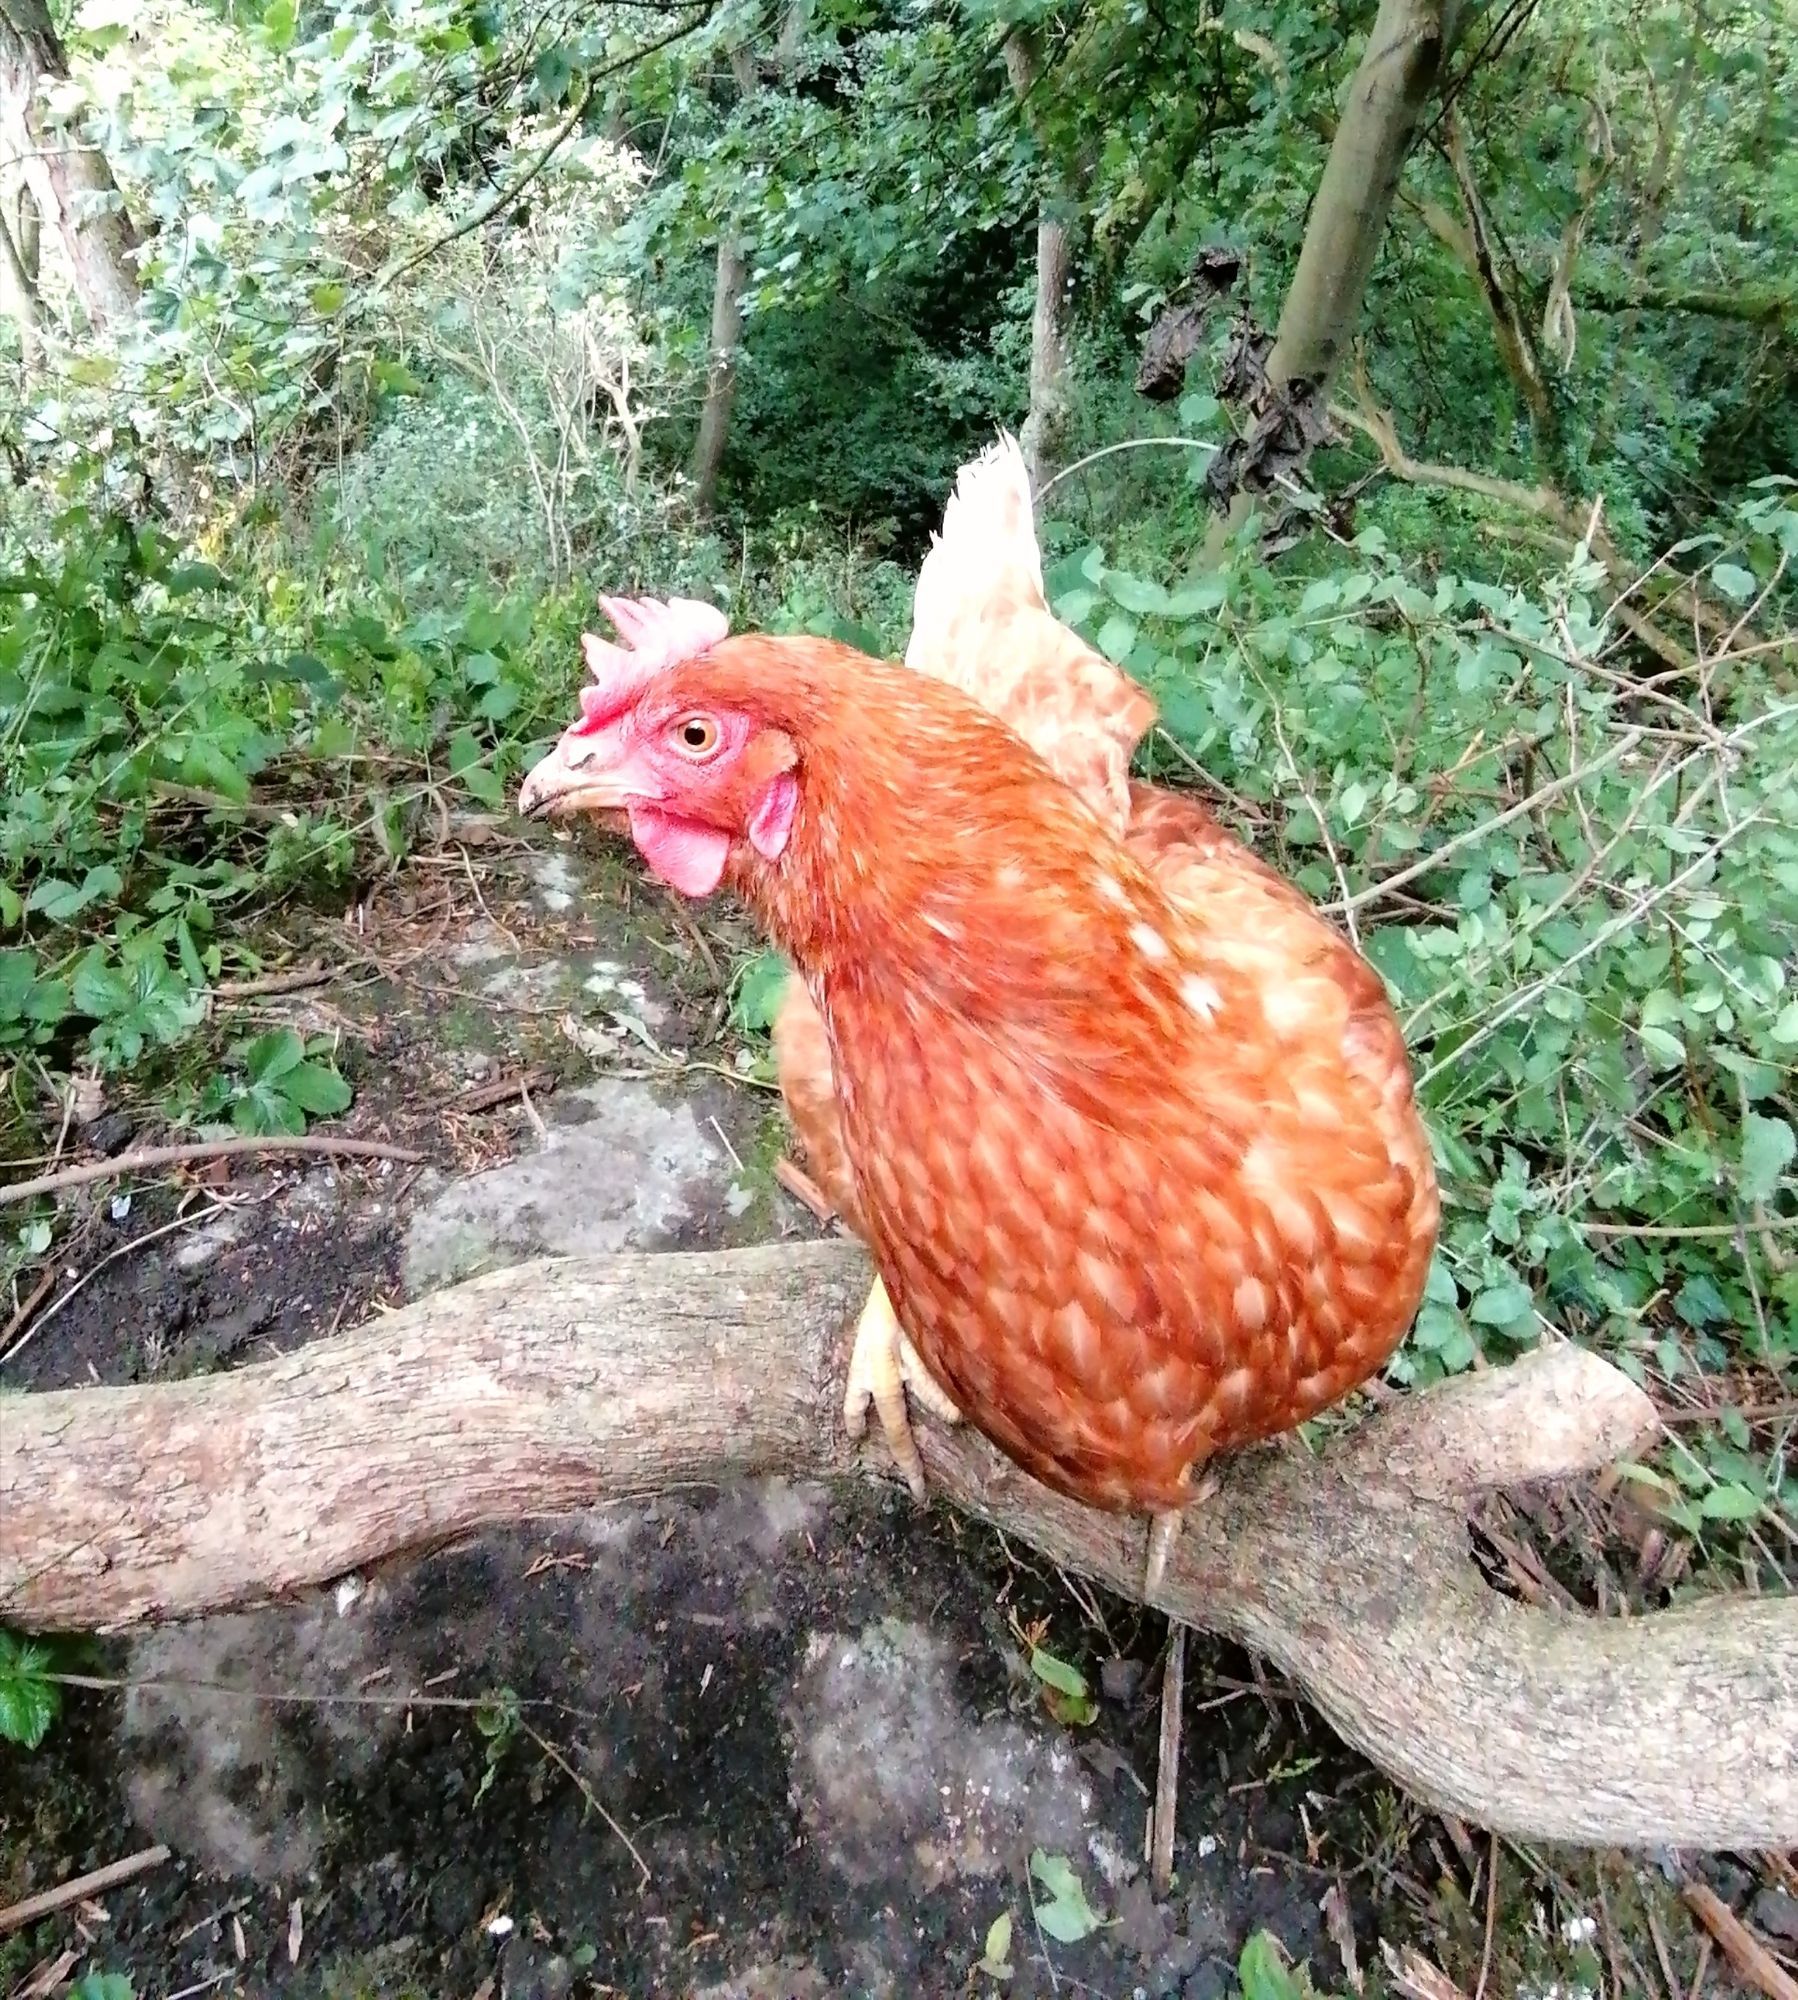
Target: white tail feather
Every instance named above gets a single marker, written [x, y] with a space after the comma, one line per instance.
[987, 547]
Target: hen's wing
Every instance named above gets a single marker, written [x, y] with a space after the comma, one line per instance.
[1257, 924]
[981, 622]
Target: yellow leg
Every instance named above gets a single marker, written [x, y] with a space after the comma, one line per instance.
[1164, 1532]
[883, 1364]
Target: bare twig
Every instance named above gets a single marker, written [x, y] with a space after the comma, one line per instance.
[1751, 1959]
[79, 1887]
[804, 1190]
[152, 1157]
[1167, 1769]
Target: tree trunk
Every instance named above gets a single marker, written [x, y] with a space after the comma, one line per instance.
[559, 1385]
[727, 285]
[1399, 73]
[1057, 206]
[721, 372]
[19, 299]
[69, 180]
[1048, 349]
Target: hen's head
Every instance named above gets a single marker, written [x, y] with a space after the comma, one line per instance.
[686, 733]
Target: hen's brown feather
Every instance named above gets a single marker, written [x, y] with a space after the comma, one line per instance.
[1134, 1144]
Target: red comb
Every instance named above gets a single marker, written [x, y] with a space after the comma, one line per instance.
[657, 634]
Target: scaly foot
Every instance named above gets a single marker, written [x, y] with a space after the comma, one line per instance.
[1164, 1531]
[883, 1364]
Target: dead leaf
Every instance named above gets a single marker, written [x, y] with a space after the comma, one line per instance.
[296, 1930]
[49, 1976]
[1342, 1934]
[1416, 1977]
[237, 1940]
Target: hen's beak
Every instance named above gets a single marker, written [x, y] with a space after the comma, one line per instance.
[566, 781]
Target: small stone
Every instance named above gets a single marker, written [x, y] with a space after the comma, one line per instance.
[1139, 1923]
[1119, 1679]
[112, 1134]
[1775, 1911]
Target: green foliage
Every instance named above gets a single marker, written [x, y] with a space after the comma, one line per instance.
[102, 1986]
[755, 992]
[1264, 1972]
[177, 747]
[30, 1699]
[1065, 1692]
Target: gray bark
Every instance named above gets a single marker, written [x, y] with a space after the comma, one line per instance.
[558, 1386]
[1040, 431]
[731, 275]
[69, 180]
[1399, 73]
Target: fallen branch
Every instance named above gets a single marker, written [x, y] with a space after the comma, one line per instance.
[79, 1887]
[1751, 1959]
[205, 1149]
[557, 1386]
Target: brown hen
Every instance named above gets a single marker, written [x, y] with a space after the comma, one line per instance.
[1127, 1126]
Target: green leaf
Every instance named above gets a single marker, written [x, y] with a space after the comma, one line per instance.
[1507, 1304]
[1264, 1973]
[1137, 594]
[756, 993]
[317, 1089]
[62, 901]
[99, 990]
[29, 1699]
[995, 1960]
[270, 1057]
[1785, 1024]
[1066, 1916]
[1193, 600]
[1735, 583]
[1117, 638]
[186, 578]
[1057, 1673]
[1767, 1148]
[1730, 1502]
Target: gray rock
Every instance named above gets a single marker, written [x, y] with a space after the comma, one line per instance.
[620, 1170]
[1776, 1912]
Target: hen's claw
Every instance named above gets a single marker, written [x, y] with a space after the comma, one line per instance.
[1164, 1531]
[883, 1364]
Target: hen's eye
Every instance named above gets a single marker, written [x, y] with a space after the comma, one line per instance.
[697, 735]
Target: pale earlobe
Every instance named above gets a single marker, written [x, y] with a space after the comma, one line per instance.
[771, 822]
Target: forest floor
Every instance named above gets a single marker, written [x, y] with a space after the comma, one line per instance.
[773, 1740]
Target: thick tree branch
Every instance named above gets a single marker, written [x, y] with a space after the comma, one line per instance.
[560, 1385]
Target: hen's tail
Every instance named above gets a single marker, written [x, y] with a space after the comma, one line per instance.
[986, 554]
[981, 621]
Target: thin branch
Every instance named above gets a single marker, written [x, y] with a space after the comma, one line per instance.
[152, 1157]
